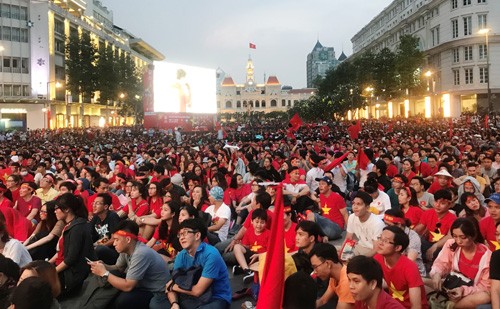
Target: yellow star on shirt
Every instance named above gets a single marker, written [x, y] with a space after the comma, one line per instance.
[399, 295]
[326, 210]
[255, 247]
[5, 176]
[496, 244]
[436, 236]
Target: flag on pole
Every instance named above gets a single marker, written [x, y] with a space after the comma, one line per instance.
[295, 122]
[487, 122]
[354, 130]
[362, 159]
[252, 46]
[336, 162]
[273, 277]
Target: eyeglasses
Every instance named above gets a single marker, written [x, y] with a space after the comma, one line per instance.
[185, 233]
[385, 240]
[315, 267]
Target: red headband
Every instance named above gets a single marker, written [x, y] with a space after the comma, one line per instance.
[408, 191]
[398, 179]
[393, 219]
[125, 234]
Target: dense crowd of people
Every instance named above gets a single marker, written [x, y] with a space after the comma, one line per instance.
[155, 218]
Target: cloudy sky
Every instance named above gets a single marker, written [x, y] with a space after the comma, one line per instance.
[216, 33]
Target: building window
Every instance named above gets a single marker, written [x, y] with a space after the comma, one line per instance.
[25, 65]
[435, 36]
[468, 25]
[238, 92]
[483, 75]
[14, 12]
[6, 64]
[468, 53]
[482, 21]
[456, 77]
[59, 26]
[238, 104]
[16, 90]
[273, 103]
[257, 103]
[454, 4]
[5, 10]
[469, 76]
[16, 66]
[60, 46]
[7, 90]
[26, 91]
[23, 13]
[6, 33]
[16, 34]
[24, 36]
[229, 104]
[456, 55]
[263, 103]
[481, 1]
[454, 28]
[467, 2]
[283, 102]
[483, 51]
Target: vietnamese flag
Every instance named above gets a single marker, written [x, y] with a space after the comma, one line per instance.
[354, 130]
[486, 122]
[362, 159]
[252, 46]
[273, 277]
[336, 162]
[295, 122]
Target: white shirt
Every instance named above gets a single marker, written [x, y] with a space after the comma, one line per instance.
[366, 232]
[338, 179]
[311, 176]
[17, 252]
[224, 212]
[382, 202]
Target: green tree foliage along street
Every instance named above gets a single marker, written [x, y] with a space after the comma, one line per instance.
[386, 75]
[113, 75]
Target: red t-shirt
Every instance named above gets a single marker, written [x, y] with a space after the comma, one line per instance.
[423, 170]
[430, 219]
[290, 238]
[15, 195]
[155, 206]
[25, 207]
[391, 170]
[400, 278]
[5, 203]
[488, 230]
[60, 245]
[256, 243]
[140, 209]
[331, 206]
[470, 267]
[384, 301]
[435, 187]
[413, 214]
[410, 176]
[248, 221]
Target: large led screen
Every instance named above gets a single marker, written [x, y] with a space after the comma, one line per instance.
[180, 88]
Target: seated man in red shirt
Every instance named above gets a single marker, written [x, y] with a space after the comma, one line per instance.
[333, 208]
[365, 283]
[27, 203]
[487, 225]
[400, 273]
[434, 225]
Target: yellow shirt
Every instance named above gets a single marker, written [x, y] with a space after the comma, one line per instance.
[49, 196]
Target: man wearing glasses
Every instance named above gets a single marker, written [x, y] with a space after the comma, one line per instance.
[326, 264]
[400, 273]
[214, 275]
[103, 222]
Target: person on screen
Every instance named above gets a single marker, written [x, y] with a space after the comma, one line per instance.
[184, 91]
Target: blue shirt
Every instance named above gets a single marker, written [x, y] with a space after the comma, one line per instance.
[213, 266]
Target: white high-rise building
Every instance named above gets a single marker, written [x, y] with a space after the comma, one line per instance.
[33, 36]
[461, 41]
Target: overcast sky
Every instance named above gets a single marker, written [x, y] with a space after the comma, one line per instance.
[216, 33]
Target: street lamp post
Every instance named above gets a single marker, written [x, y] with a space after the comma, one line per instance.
[486, 32]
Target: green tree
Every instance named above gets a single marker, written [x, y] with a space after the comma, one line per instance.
[384, 73]
[409, 60]
[81, 58]
[107, 75]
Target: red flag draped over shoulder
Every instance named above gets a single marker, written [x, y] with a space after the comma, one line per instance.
[335, 162]
[362, 159]
[354, 130]
[273, 277]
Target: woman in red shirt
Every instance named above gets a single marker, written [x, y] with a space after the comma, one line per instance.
[5, 196]
[408, 202]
